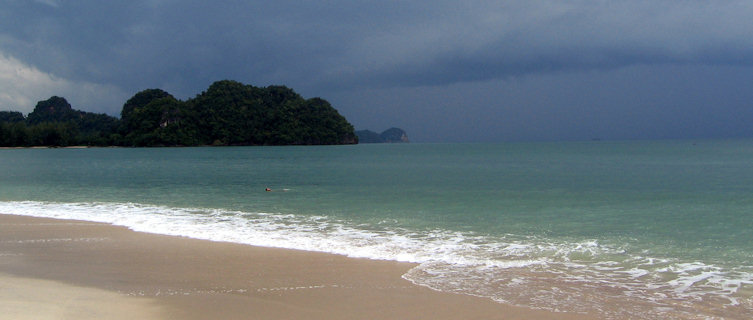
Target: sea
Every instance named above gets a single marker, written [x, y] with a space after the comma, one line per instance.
[616, 229]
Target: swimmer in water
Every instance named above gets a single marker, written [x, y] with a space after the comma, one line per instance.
[267, 189]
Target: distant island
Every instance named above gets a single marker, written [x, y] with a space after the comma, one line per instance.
[228, 113]
[391, 135]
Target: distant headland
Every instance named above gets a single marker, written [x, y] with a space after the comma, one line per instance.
[228, 113]
[391, 135]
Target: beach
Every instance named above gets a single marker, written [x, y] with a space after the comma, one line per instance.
[609, 230]
[69, 269]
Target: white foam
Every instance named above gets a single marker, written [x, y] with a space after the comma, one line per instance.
[313, 233]
[634, 272]
[449, 261]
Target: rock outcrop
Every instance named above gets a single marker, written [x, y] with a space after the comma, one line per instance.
[391, 135]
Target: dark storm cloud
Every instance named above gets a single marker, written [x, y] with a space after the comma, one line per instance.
[517, 38]
[370, 42]
[340, 48]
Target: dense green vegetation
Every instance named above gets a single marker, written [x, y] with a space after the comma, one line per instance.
[54, 123]
[228, 113]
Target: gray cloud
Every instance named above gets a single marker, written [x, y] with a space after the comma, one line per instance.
[496, 41]
[23, 85]
[376, 42]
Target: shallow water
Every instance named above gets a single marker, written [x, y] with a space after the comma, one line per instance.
[636, 229]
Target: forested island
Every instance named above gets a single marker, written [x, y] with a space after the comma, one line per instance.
[228, 113]
[391, 135]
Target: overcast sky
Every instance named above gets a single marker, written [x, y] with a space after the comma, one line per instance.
[442, 70]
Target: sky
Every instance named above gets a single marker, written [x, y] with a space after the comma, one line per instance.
[444, 71]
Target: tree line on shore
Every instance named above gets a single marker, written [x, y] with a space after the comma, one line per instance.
[228, 113]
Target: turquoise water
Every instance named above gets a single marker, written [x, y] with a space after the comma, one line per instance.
[632, 229]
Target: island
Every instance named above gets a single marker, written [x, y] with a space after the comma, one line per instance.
[228, 113]
[391, 135]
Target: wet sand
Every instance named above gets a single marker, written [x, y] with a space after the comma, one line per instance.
[66, 269]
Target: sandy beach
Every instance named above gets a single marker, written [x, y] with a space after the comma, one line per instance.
[65, 269]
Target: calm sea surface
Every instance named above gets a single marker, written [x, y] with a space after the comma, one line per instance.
[633, 229]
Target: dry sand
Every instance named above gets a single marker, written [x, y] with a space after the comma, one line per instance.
[65, 269]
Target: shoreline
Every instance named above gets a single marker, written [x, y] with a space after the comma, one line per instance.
[150, 276]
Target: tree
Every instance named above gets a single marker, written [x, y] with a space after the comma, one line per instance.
[11, 116]
[227, 113]
[55, 123]
[55, 134]
[138, 101]
[54, 109]
[95, 129]
[156, 123]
